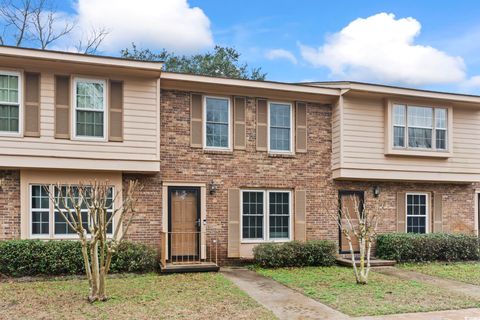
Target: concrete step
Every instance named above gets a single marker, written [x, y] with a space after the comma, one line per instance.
[190, 267]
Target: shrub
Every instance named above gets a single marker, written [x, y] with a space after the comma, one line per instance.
[295, 254]
[19, 258]
[404, 247]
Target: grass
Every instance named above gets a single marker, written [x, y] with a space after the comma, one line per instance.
[179, 296]
[468, 272]
[336, 287]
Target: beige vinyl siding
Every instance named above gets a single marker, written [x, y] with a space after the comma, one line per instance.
[363, 138]
[336, 134]
[141, 128]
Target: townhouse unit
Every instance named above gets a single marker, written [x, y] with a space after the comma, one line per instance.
[227, 164]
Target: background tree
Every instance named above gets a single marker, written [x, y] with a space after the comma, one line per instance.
[221, 62]
[360, 225]
[38, 23]
[97, 245]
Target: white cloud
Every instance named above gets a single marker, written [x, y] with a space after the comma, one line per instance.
[382, 48]
[170, 24]
[280, 54]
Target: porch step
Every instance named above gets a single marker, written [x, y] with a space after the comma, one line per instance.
[190, 267]
[374, 262]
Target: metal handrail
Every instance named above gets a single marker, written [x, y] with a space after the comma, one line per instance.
[188, 247]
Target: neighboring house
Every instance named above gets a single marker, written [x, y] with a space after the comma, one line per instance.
[226, 164]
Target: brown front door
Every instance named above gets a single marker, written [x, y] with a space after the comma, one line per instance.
[184, 223]
[348, 200]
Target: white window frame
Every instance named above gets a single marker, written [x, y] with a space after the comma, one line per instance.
[105, 109]
[51, 217]
[266, 213]
[204, 125]
[19, 133]
[270, 150]
[30, 218]
[427, 209]
[406, 126]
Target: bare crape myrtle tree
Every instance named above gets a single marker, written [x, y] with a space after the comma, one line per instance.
[89, 210]
[360, 225]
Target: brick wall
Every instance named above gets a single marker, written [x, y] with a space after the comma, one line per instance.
[10, 204]
[252, 169]
[245, 168]
[458, 202]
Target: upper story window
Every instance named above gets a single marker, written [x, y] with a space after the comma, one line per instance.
[10, 95]
[90, 101]
[280, 127]
[419, 127]
[217, 123]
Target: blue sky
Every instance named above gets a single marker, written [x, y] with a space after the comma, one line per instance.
[424, 44]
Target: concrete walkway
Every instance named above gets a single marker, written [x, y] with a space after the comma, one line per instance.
[450, 285]
[464, 314]
[284, 302]
[287, 303]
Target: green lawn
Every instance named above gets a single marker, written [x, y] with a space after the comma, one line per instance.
[468, 272]
[335, 286]
[180, 296]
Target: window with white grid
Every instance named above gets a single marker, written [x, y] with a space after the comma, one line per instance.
[252, 214]
[47, 222]
[9, 102]
[40, 210]
[417, 211]
[280, 127]
[419, 127]
[266, 215]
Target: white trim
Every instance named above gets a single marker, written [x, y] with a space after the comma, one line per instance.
[104, 82]
[204, 123]
[291, 128]
[20, 103]
[427, 209]
[30, 220]
[266, 215]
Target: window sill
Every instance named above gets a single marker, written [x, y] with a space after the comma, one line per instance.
[281, 155]
[8, 134]
[218, 151]
[419, 153]
[264, 241]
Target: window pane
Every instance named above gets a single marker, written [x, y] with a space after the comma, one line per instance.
[252, 215]
[399, 136]
[89, 123]
[441, 139]
[40, 204]
[9, 88]
[280, 130]
[398, 115]
[217, 122]
[89, 95]
[441, 118]
[9, 118]
[420, 138]
[420, 117]
[279, 215]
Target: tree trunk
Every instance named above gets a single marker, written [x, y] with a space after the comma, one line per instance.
[95, 272]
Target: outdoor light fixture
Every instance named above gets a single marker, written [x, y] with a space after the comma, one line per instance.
[376, 191]
[212, 187]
